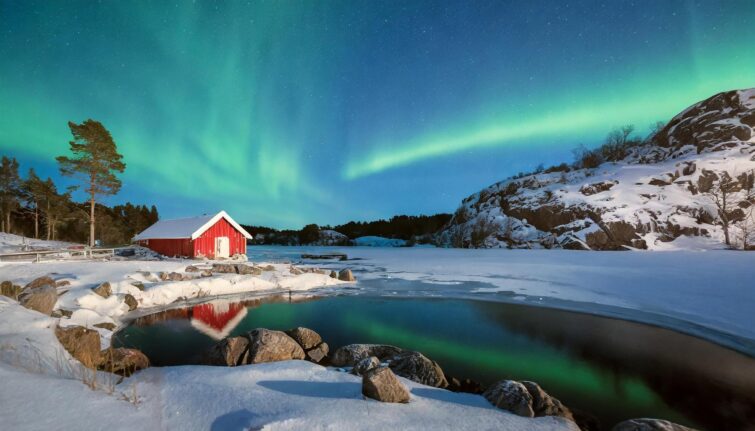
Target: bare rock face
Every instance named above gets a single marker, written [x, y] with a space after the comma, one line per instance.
[105, 325]
[646, 424]
[122, 361]
[346, 275]
[318, 353]
[131, 302]
[229, 352]
[104, 290]
[349, 355]
[545, 405]
[40, 282]
[7, 288]
[266, 345]
[306, 337]
[365, 365]
[418, 368]
[82, 343]
[248, 270]
[382, 385]
[41, 299]
[512, 396]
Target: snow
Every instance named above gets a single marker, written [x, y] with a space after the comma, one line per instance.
[10, 243]
[191, 227]
[379, 241]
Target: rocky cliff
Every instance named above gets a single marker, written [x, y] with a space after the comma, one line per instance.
[677, 189]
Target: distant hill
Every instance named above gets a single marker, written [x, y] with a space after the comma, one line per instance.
[685, 187]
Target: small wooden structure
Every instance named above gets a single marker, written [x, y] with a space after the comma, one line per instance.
[212, 236]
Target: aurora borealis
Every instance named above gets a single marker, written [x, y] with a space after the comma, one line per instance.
[285, 112]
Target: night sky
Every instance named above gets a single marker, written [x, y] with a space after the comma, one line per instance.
[285, 113]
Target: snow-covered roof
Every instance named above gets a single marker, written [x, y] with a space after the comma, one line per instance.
[191, 227]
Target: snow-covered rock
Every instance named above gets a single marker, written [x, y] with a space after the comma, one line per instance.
[657, 194]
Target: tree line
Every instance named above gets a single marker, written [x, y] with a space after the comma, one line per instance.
[34, 207]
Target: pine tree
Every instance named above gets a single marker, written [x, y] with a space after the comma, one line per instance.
[95, 161]
[34, 193]
[10, 190]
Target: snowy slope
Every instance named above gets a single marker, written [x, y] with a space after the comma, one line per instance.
[10, 243]
[655, 196]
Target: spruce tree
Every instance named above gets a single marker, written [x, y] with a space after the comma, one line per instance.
[10, 191]
[95, 162]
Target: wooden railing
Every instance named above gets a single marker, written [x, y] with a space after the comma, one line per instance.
[65, 253]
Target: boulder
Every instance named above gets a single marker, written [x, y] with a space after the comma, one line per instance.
[41, 299]
[466, 385]
[318, 353]
[333, 274]
[266, 345]
[346, 275]
[545, 405]
[295, 271]
[82, 343]
[191, 268]
[62, 283]
[224, 268]
[138, 284]
[40, 282]
[418, 368]
[248, 270]
[349, 355]
[231, 351]
[307, 338]
[512, 396]
[268, 268]
[206, 273]
[382, 385]
[7, 288]
[103, 290]
[647, 424]
[131, 302]
[365, 365]
[122, 361]
[175, 276]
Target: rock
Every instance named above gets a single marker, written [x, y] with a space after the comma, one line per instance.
[466, 385]
[7, 288]
[268, 268]
[191, 268]
[545, 405]
[40, 282]
[266, 345]
[105, 325]
[647, 424]
[103, 290]
[295, 271]
[231, 351]
[175, 276]
[346, 275]
[224, 268]
[122, 361]
[82, 343]
[333, 274]
[307, 338]
[131, 302]
[418, 368]
[41, 299]
[248, 270]
[206, 273]
[138, 284]
[353, 353]
[163, 276]
[365, 365]
[382, 385]
[318, 353]
[512, 396]
[62, 283]
[586, 421]
[591, 189]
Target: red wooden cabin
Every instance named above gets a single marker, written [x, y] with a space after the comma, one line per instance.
[211, 236]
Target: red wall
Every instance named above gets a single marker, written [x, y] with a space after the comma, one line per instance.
[205, 244]
[180, 247]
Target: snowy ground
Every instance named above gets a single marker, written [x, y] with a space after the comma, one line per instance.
[706, 293]
[10, 243]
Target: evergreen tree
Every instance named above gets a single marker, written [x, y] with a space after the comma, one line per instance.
[95, 161]
[34, 193]
[10, 190]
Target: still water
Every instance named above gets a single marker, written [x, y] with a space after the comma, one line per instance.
[610, 368]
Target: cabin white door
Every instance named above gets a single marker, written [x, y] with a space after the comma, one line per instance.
[222, 247]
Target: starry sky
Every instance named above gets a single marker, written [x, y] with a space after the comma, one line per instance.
[291, 112]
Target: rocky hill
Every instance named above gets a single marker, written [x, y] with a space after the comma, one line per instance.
[678, 189]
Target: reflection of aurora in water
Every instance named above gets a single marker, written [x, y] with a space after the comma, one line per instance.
[611, 368]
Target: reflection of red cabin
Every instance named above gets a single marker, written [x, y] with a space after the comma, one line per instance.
[213, 236]
[217, 319]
